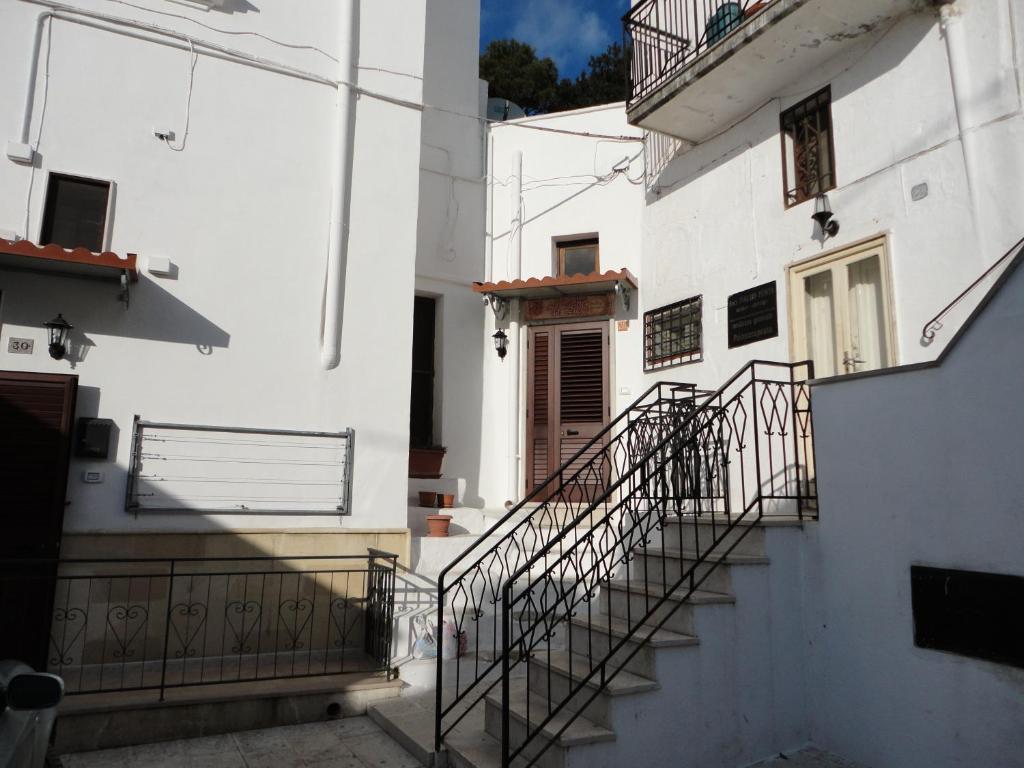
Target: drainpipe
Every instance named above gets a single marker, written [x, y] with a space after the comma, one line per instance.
[30, 86]
[957, 53]
[334, 293]
[516, 269]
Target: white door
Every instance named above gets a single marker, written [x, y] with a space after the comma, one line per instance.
[840, 311]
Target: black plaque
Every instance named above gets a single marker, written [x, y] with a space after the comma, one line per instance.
[753, 315]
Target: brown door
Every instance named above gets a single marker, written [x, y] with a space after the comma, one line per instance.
[568, 401]
[36, 415]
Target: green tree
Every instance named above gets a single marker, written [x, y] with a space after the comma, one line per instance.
[604, 82]
[514, 72]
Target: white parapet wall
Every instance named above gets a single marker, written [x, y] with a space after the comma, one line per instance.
[917, 467]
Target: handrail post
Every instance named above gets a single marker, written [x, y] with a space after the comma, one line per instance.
[167, 631]
[506, 683]
[438, 698]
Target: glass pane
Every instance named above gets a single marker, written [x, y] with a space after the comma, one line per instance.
[819, 313]
[867, 315]
[580, 261]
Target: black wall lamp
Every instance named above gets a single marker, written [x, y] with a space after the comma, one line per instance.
[58, 329]
[501, 344]
[823, 215]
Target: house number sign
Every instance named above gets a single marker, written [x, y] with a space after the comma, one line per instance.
[753, 315]
[20, 346]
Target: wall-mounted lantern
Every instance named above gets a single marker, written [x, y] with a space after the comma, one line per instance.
[58, 330]
[823, 216]
[501, 344]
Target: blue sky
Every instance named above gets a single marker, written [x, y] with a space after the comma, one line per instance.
[569, 31]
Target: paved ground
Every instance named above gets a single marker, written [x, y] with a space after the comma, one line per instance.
[353, 742]
[807, 758]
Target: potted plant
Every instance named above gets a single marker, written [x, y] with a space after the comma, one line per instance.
[426, 462]
[428, 498]
[446, 500]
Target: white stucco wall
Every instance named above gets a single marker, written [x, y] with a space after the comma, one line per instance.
[921, 467]
[569, 189]
[243, 213]
[715, 221]
[450, 251]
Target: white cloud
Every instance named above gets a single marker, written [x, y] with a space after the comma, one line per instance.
[563, 30]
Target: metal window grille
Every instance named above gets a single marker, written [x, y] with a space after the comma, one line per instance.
[672, 334]
[808, 151]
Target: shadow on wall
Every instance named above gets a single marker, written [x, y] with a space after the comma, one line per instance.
[673, 163]
[138, 611]
[93, 307]
[227, 6]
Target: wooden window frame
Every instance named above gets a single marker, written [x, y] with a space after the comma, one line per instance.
[561, 246]
[796, 272]
[46, 222]
[815, 106]
[690, 310]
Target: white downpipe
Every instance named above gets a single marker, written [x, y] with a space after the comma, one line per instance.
[959, 75]
[33, 73]
[334, 292]
[516, 270]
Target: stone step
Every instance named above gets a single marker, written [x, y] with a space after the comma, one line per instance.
[667, 566]
[699, 534]
[108, 720]
[558, 673]
[599, 633]
[677, 609]
[548, 747]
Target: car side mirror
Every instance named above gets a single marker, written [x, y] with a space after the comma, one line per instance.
[37, 690]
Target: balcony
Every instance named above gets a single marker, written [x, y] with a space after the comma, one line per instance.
[698, 66]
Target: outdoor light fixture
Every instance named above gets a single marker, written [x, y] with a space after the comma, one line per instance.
[823, 215]
[501, 344]
[58, 329]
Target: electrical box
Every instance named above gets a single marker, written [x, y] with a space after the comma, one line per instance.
[92, 438]
[20, 153]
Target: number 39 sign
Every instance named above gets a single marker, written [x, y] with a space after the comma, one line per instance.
[20, 346]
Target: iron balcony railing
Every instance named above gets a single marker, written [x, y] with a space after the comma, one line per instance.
[470, 587]
[664, 36]
[746, 452]
[156, 624]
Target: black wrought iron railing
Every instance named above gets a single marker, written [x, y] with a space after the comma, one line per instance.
[664, 36]
[157, 624]
[744, 453]
[935, 324]
[470, 587]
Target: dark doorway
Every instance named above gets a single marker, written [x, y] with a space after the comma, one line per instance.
[36, 415]
[421, 411]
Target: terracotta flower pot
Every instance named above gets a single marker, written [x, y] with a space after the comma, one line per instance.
[437, 525]
[426, 462]
[754, 9]
[428, 498]
[446, 500]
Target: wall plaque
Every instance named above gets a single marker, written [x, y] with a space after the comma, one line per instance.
[589, 305]
[753, 315]
[20, 346]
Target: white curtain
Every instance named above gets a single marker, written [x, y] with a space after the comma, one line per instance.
[867, 321]
[819, 311]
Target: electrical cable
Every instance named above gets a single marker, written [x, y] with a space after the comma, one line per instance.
[188, 101]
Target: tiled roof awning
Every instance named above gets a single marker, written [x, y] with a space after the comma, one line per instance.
[546, 287]
[77, 262]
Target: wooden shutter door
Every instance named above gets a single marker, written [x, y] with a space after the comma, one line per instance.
[538, 409]
[36, 415]
[582, 400]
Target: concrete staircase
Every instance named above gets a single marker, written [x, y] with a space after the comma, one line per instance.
[719, 684]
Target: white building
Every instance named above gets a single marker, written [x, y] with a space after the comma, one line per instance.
[298, 236]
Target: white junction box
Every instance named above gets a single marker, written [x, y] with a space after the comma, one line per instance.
[20, 153]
